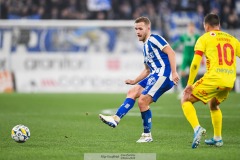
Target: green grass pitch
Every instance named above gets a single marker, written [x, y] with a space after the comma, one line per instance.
[65, 126]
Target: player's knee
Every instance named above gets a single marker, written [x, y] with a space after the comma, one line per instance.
[143, 106]
[183, 99]
[213, 104]
[187, 98]
[143, 103]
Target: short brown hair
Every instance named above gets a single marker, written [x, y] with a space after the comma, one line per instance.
[144, 20]
[212, 19]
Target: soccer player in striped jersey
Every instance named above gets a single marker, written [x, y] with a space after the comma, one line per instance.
[220, 50]
[158, 76]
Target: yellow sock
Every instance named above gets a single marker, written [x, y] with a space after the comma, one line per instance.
[190, 113]
[217, 122]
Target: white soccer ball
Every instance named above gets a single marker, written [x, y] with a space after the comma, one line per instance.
[20, 133]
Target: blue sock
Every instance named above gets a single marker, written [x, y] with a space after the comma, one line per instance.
[125, 107]
[147, 121]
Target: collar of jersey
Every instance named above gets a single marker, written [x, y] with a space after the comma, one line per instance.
[147, 39]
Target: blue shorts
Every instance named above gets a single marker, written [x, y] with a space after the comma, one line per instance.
[155, 86]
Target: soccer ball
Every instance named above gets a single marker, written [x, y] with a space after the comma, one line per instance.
[20, 133]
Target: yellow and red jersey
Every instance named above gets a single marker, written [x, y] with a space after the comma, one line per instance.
[220, 50]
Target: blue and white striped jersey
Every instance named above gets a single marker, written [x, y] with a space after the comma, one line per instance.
[154, 57]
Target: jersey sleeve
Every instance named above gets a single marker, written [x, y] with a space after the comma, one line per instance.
[194, 67]
[159, 41]
[199, 51]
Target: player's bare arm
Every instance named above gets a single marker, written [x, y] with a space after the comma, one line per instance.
[142, 75]
[172, 59]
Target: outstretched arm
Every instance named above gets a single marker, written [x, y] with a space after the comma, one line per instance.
[142, 75]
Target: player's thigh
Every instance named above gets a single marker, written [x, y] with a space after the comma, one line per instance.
[189, 98]
[205, 92]
[135, 91]
[219, 98]
[156, 86]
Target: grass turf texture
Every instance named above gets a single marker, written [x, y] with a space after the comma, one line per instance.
[65, 126]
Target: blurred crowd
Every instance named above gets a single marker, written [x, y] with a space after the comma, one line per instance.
[157, 10]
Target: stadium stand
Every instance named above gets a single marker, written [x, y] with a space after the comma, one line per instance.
[157, 10]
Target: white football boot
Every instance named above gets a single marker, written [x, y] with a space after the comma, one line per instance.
[145, 137]
[109, 120]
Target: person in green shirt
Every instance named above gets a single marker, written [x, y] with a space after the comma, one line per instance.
[188, 41]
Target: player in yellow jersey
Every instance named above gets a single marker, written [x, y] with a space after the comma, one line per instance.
[220, 49]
